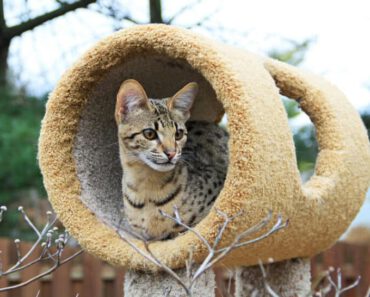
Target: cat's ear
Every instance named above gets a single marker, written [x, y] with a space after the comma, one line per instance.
[183, 100]
[131, 96]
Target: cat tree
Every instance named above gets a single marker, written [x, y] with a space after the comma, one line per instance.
[78, 148]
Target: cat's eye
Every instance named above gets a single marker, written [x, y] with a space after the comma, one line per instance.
[179, 134]
[149, 134]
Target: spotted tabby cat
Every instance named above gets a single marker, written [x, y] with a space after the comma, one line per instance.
[166, 160]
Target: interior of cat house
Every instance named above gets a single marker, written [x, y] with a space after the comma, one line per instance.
[96, 145]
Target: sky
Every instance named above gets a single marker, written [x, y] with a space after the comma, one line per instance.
[339, 51]
[339, 30]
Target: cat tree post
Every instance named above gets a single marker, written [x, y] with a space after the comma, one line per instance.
[287, 279]
[160, 284]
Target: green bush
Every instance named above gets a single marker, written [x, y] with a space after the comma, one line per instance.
[20, 118]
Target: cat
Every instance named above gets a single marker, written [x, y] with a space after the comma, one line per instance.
[167, 160]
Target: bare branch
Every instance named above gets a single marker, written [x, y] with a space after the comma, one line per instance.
[3, 209]
[338, 286]
[18, 250]
[149, 256]
[41, 275]
[167, 292]
[351, 286]
[368, 292]
[182, 10]
[47, 233]
[34, 246]
[10, 32]
[178, 221]
[215, 254]
[268, 288]
[278, 226]
[115, 12]
[29, 222]
[204, 19]
[130, 19]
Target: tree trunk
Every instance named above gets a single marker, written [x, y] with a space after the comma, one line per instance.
[4, 51]
[8, 33]
[162, 284]
[155, 11]
[287, 279]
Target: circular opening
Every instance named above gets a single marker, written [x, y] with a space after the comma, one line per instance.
[96, 149]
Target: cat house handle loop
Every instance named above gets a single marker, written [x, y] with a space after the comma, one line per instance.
[337, 127]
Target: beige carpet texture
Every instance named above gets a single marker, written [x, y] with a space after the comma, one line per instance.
[78, 150]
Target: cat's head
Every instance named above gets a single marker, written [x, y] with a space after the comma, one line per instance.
[152, 131]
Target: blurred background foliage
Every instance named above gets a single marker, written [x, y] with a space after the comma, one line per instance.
[21, 113]
[20, 177]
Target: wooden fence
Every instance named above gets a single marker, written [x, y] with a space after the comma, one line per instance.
[87, 276]
[353, 260]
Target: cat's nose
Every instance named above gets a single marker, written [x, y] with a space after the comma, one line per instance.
[170, 154]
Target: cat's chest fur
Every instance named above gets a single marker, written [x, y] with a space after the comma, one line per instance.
[192, 186]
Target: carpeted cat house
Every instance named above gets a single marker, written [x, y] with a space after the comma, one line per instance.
[78, 150]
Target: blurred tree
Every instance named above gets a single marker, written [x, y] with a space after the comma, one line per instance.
[365, 115]
[7, 33]
[20, 120]
[116, 10]
[155, 11]
[294, 54]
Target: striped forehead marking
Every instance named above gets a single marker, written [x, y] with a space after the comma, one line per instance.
[163, 116]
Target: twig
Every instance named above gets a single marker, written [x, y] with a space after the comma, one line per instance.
[268, 288]
[338, 286]
[29, 222]
[178, 220]
[46, 234]
[167, 292]
[52, 269]
[130, 19]
[182, 10]
[41, 235]
[116, 13]
[204, 19]
[368, 292]
[3, 209]
[149, 256]
[215, 254]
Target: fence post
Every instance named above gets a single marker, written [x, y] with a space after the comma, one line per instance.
[286, 279]
[33, 288]
[92, 281]
[61, 282]
[4, 258]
